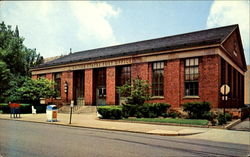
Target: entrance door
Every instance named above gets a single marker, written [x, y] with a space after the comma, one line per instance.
[101, 96]
[100, 86]
[79, 87]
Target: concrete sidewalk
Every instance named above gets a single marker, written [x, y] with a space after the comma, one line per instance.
[91, 121]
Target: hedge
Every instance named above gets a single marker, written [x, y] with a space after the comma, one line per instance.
[147, 110]
[110, 112]
[196, 110]
[129, 110]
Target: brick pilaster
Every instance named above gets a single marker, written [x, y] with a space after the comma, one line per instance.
[88, 90]
[67, 77]
[172, 82]
[110, 87]
[141, 70]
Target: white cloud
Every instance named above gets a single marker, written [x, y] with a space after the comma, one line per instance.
[54, 27]
[232, 12]
[92, 17]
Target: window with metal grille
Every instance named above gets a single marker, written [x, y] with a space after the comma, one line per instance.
[192, 77]
[123, 75]
[57, 79]
[157, 80]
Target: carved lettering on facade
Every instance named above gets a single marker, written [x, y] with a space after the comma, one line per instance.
[102, 64]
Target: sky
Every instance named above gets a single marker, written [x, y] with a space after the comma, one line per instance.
[53, 27]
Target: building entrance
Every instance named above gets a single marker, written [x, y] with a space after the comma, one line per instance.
[100, 86]
[79, 87]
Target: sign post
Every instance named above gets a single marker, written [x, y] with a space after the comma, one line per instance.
[224, 89]
[71, 108]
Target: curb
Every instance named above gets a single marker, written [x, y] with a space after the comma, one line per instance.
[173, 133]
[229, 126]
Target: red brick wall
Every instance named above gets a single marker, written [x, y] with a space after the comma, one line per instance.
[67, 76]
[34, 77]
[208, 81]
[88, 84]
[49, 76]
[110, 87]
[172, 82]
[139, 69]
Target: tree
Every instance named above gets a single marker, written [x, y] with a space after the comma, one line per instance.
[4, 77]
[32, 59]
[11, 49]
[32, 90]
[16, 59]
[137, 93]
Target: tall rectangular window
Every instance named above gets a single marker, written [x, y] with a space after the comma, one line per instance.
[192, 77]
[57, 79]
[123, 75]
[100, 75]
[157, 80]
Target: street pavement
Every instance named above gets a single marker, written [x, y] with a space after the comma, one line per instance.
[29, 139]
[91, 121]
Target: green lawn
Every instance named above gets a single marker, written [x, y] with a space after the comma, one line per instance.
[171, 120]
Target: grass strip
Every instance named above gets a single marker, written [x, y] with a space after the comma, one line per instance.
[171, 120]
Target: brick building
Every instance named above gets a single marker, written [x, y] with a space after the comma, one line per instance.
[180, 68]
[247, 86]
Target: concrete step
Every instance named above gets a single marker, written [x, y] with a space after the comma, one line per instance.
[78, 109]
[86, 109]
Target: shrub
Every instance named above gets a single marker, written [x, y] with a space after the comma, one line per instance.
[196, 110]
[152, 115]
[228, 116]
[221, 119]
[151, 110]
[161, 108]
[5, 108]
[110, 112]
[207, 115]
[139, 115]
[129, 110]
[165, 115]
[173, 114]
[211, 116]
[136, 93]
[144, 110]
[116, 113]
